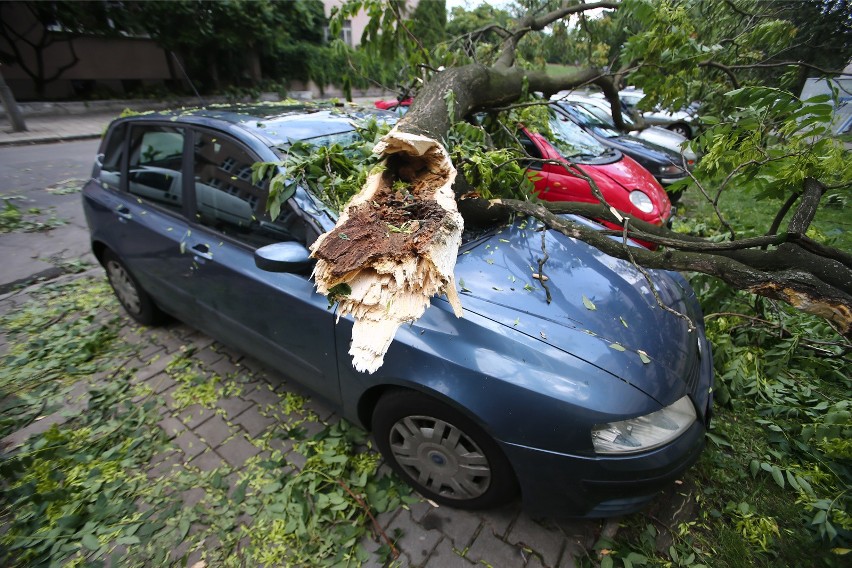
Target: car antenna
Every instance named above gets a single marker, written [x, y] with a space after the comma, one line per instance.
[188, 80]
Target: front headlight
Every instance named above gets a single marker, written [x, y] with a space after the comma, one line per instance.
[644, 432]
[641, 201]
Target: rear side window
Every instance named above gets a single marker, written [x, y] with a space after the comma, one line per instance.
[227, 201]
[111, 160]
[531, 149]
[154, 173]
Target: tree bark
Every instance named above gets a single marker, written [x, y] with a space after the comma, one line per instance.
[13, 111]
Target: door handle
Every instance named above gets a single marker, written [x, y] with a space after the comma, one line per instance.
[124, 213]
[202, 250]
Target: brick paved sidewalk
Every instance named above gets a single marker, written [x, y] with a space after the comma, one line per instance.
[237, 429]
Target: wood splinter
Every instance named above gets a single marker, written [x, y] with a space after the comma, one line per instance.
[394, 246]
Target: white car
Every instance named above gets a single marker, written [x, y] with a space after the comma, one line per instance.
[679, 121]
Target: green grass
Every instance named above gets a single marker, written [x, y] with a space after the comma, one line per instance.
[750, 216]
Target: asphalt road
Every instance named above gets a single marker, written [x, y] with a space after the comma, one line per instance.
[42, 182]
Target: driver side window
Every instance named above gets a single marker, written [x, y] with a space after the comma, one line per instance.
[154, 172]
[227, 200]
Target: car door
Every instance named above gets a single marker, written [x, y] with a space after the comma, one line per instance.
[275, 317]
[142, 177]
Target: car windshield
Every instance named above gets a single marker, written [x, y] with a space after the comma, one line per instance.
[604, 115]
[571, 140]
[343, 138]
[603, 126]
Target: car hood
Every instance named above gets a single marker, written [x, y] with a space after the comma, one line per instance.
[630, 175]
[602, 310]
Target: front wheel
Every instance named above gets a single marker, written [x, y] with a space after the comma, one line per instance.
[444, 455]
[130, 294]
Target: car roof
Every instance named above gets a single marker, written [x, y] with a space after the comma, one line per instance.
[276, 124]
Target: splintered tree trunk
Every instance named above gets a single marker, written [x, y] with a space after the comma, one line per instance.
[394, 247]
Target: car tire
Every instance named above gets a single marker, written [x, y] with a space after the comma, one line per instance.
[443, 454]
[129, 293]
[674, 196]
[681, 128]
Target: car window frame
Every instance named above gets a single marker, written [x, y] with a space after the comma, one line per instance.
[185, 162]
[191, 215]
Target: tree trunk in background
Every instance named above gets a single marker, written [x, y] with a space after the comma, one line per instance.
[11, 106]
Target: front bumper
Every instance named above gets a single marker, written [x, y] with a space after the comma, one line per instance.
[564, 485]
[669, 180]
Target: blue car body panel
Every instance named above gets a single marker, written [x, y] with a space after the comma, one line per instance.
[536, 376]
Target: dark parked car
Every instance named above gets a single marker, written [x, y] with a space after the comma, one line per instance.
[586, 405]
[665, 165]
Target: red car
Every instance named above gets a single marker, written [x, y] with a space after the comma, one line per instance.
[625, 184]
[393, 104]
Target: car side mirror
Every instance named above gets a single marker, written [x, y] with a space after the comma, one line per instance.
[288, 256]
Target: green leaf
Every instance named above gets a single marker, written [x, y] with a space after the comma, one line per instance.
[778, 476]
[588, 303]
[617, 346]
[754, 466]
[90, 541]
[644, 357]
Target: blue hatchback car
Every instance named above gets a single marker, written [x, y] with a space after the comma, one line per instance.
[586, 405]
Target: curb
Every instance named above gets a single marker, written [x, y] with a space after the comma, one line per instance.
[50, 139]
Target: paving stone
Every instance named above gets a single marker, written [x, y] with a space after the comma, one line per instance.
[224, 367]
[281, 445]
[207, 357]
[190, 444]
[160, 383]
[253, 366]
[214, 431]
[446, 556]
[263, 395]
[191, 497]
[580, 536]
[207, 461]
[164, 463]
[386, 518]
[420, 509]
[237, 450]
[33, 429]
[171, 426]
[233, 406]
[147, 369]
[455, 524]
[196, 338]
[489, 550]
[416, 542]
[151, 351]
[168, 397]
[535, 562]
[195, 415]
[253, 421]
[546, 542]
[499, 520]
[132, 334]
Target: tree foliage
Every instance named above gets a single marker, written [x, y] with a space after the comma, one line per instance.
[759, 136]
